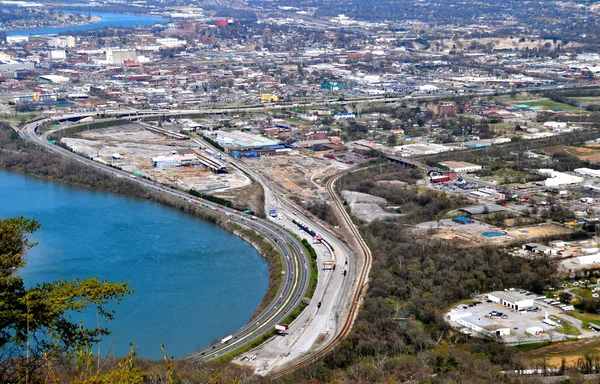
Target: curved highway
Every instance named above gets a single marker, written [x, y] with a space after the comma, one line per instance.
[297, 273]
[361, 277]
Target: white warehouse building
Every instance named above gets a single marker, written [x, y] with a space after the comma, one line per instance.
[556, 179]
[587, 172]
[483, 325]
[512, 299]
[461, 166]
[587, 260]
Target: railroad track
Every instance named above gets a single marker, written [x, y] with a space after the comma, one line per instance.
[355, 303]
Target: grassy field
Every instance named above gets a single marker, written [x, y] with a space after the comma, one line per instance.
[549, 104]
[586, 293]
[554, 353]
[532, 346]
[588, 99]
[504, 128]
[586, 318]
[337, 107]
[509, 176]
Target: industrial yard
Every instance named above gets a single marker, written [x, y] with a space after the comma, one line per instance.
[477, 232]
[298, 173]
[517, 316]
[143, 152]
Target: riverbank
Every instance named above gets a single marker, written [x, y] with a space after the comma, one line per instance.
[101, 20]
[23, 19]
[23, 157]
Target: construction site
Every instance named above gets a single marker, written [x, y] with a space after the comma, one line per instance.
[475, 232]
[298, 174]
[161, 155]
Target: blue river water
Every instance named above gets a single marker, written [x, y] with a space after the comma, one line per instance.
[108, 20]
[194, 282]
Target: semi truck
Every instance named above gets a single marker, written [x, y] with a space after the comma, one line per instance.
[226, 339]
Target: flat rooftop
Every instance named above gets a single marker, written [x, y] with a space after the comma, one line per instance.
[458, 164]
[512, 296]
[244, 139]
[479, 320]
[480, 209]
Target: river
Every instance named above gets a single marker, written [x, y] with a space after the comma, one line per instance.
[108, 20]
[194, 282]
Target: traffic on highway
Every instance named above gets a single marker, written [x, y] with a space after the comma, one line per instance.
[295, 283]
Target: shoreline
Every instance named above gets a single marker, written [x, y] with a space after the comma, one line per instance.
[130, 189]
[92, 20]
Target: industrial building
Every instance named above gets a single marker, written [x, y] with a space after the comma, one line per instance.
[118, 56]
[267, 150]
[269, 98]
[483, 326]
[488, 193]
[35, 97]
[512, 299]
[172, 161]
[55, 79]
[10, 68]
[461, 166]
[421, 149]
[540, 249]
[477, 324]
[587, 260]
[344, 116]
[588, 172]
[556, 179]
[481, 209]
[478, 144]
[238, 139]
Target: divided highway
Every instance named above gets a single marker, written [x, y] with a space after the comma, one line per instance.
[297, 271]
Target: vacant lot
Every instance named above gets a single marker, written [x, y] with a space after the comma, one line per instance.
[299, 174]
[553, 354]
[589, 153]
[552, 105]
[135, 146]
[537, 231]
[472, 234]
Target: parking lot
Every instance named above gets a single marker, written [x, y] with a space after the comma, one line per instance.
[499, 317]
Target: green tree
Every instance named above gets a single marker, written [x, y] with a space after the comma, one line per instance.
[35, 323]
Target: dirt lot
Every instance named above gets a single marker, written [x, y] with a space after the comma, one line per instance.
[137, 145]
[300, 174]
[589, 153]
[536, 231]
[472, 234]
[249, 197]
[463, 234]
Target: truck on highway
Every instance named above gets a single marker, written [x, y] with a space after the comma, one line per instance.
[281, 328]
[226, 339]
[252, 217]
